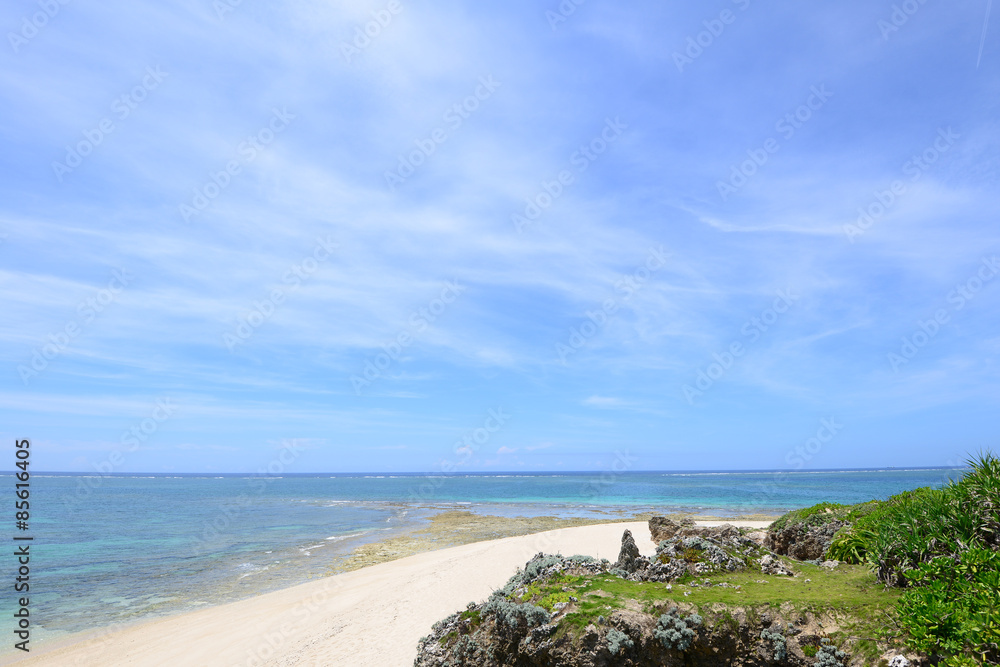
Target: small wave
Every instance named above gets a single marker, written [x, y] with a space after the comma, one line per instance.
[248, 569]
[337, 538]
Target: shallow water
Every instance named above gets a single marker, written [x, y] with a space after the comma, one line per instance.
[116, 549]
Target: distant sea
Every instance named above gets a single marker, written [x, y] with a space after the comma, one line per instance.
[119, 548]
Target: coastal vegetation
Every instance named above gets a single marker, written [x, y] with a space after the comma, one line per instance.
[942, 546]
[708, 597]
[914, 579]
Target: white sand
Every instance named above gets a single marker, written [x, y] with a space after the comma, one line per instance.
[370, 617]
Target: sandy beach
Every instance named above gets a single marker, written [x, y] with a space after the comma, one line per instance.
[373, 616]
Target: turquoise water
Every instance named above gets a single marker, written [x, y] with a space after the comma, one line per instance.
[114, 549]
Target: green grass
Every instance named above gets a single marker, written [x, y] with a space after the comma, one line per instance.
[816, 515]
[848, 590]
[824, 513]
[474, 617]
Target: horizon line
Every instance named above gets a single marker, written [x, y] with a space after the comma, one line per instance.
[81, 473]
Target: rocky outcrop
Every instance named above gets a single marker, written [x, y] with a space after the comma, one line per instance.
[803, 541]
[629, 558]
[661, 528]
[690, 550]
[571, 612]
[673, 636]
[773, 566]
[509, 630]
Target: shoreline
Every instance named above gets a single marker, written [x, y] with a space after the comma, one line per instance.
[455, 527]
[326, 620]
[415, 529]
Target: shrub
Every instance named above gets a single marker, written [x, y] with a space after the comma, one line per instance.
[675, 632]
[692, 555]
[582, 560]
[829, 656]
[515, 616]
[552, 599]
[917, 526]
[778, 646]
[618, 640]
[536, 567]
[953, 607]
[465, 649]
[941, 544]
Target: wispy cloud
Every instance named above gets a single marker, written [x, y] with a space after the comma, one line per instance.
[323, 176]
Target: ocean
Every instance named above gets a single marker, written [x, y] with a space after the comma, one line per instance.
[115, 549]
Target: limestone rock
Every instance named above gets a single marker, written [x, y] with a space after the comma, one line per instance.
[803, 542]
[772, 565]
[629, 558]
[661, 528]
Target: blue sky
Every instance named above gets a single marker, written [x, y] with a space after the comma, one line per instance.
[414, 236]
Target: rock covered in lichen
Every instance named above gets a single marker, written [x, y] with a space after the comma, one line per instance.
[663, 528]
[803, 539]
[629, 557]
[671, 635]
[508, 629]
[772, 565]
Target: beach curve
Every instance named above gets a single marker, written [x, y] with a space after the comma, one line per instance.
[371, 617]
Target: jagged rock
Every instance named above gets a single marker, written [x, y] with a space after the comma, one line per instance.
[830, 564]
[803, 542]
[772, 565]
[661, 528]
[726, 532]
[629, 558]
[673, 635]
[899, 661]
